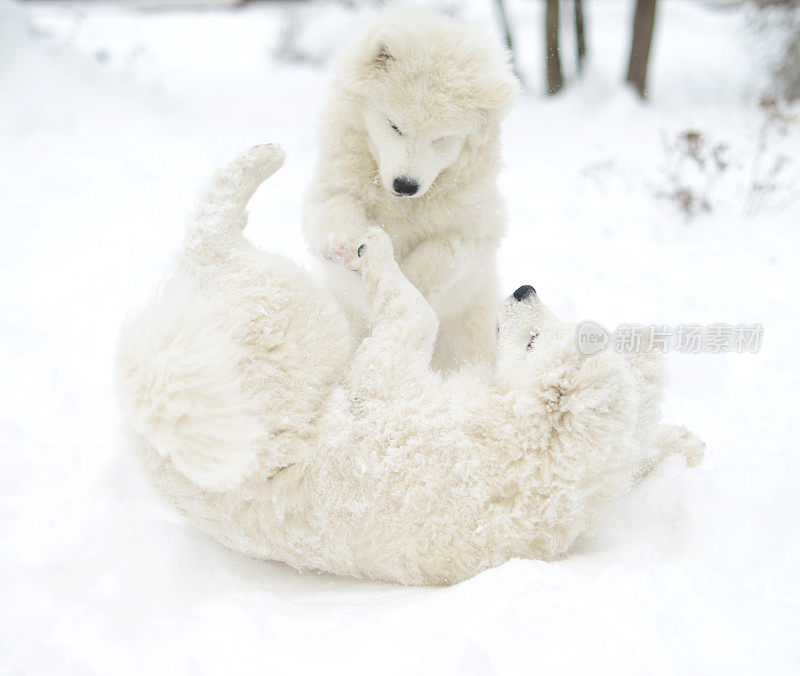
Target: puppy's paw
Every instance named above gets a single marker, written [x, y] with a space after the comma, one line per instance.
[375, 249]
[263, 159]
[694, 450]
[677, 439]
[337, 248]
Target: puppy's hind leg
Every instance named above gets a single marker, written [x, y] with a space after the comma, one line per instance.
[177, 381]
[404, 325]
[674, 439]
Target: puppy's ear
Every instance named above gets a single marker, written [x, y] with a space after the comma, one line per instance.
[382, 56]
[382, 48]
[498, 91]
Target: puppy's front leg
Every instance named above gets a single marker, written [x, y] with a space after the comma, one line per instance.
[457, 276]
[400, 345]
[448, 269]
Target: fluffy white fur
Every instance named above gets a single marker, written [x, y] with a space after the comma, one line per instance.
[419, 96]
[242, 393]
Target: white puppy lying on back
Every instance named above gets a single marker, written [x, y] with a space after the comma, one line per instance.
[409, 142]
[241, 393]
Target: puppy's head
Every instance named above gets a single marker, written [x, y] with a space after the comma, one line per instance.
[556, 386]
[525, 325]
[431, 90]
[411, 153]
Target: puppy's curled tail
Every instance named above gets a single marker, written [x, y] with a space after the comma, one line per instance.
[221, 210]
[179, 390]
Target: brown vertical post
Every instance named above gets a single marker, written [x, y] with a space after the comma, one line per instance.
[643, 23]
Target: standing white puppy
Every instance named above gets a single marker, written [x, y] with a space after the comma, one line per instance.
[409, 141]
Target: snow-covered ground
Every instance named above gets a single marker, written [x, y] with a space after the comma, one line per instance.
[109, 120]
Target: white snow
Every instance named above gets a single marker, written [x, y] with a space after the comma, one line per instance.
[110, 119]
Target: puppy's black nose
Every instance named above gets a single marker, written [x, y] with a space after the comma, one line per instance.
[523, 292]
[405, 186]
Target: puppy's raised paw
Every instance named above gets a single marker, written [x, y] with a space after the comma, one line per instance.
[337, 248]
[355, 257]
[372, 250]
[377, 246]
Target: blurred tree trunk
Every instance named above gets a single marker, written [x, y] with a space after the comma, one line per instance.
[643, 22]
[501, 9]
[579, 34]
[555, 80]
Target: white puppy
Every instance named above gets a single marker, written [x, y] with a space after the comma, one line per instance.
[409, 141]
[242, 395]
